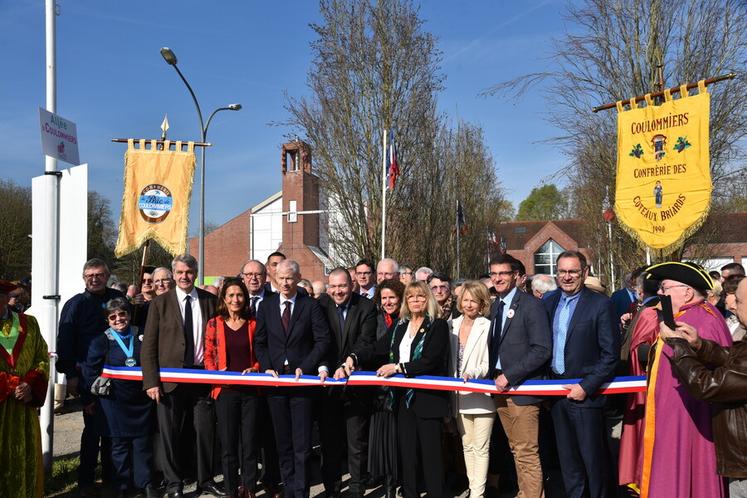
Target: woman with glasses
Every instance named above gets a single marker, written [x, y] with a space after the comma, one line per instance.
[419, 345]
[123, 412]
[229, 346]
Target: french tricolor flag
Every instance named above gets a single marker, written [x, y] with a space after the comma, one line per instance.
[393, 170]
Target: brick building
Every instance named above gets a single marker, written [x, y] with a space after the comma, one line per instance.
[538, 243]
[292, 221]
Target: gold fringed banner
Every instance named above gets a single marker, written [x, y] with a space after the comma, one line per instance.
[663, 191]
[157, 191]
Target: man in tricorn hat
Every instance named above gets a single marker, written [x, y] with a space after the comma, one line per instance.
[679, 458]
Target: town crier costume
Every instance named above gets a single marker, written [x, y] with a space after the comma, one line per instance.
[679, 457]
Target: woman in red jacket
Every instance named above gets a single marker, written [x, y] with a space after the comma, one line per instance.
[229, 346]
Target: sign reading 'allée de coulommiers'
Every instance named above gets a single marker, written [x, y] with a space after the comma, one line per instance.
[663, 190]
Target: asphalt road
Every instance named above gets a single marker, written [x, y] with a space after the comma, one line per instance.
[68, 427]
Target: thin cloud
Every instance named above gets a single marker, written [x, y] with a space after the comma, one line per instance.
[507, 22]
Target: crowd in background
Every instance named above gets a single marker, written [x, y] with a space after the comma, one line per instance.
[679, 438]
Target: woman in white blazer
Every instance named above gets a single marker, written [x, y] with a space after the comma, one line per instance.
[475, 412]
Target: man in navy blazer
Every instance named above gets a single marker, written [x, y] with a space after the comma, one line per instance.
[586, 346]
[292, 337]
[520, 345]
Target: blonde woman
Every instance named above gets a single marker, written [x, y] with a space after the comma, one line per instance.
[419, 345]
[474, 412]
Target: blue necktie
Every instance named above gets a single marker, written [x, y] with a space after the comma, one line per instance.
[558, 357]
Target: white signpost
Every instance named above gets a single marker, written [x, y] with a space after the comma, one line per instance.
[66, 277]
[59, 137]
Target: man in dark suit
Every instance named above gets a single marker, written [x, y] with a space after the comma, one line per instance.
[520, 345]
[292, 338]
[82, 320]
[352, 323]
[173, 338]
[586, 346]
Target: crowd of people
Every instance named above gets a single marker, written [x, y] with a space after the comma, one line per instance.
[683, 437]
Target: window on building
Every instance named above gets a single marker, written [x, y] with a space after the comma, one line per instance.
[546, 256]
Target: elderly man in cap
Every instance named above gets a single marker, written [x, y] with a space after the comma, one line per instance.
[679, 458]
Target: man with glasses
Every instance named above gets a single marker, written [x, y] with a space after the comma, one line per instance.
[440, 285]
[81, 321]
[406, 274]
[586, 346]
[254, 275]
[679, 457]
[386, 268]
[364, 276]
[519, 346]
[163, 280]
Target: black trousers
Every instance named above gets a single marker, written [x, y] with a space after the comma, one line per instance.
[90, 441]
[269, 453]
[236, 410]
[186, 415]
[420, 436]
[341, 421]
[292, 412]
[132, 456]
[582, 449]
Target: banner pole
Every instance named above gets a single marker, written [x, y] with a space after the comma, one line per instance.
[383, 202]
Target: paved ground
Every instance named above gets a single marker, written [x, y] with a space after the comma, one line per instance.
[68, 426]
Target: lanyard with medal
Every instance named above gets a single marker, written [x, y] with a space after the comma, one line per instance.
[129, 352]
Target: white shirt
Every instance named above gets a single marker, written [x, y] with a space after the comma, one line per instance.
[405, 346]
[197, 328]
[283, 299]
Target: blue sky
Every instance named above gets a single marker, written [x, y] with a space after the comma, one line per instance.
[112, 82]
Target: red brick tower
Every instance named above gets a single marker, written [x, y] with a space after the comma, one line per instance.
[301, 193]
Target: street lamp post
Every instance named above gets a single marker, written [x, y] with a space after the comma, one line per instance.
[170, 58]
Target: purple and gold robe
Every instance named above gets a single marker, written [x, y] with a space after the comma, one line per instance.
[679, 457]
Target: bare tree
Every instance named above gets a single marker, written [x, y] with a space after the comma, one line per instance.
[15, 228]
[615, 55]
[375, 68]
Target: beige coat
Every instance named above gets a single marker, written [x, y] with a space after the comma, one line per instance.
[474, 364]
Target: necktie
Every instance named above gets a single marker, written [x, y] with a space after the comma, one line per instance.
[341, 317]
[254, 305]
[286, 318]
[189, 341]
[493, 341]
[558, 363]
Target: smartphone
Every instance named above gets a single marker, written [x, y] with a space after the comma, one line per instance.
[666, 312]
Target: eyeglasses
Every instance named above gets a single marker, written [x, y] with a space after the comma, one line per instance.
[501, 273]
[164, 281]
[118, 314]
[436, 288]
[91, 276]
[251, 275]
[570, 273]
[665, 289]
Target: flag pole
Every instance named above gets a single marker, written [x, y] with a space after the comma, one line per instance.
[458, 247]
[383, 202]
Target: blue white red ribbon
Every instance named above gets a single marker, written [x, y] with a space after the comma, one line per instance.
[619, 385]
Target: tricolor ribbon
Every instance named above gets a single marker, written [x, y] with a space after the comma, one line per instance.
[619, 385]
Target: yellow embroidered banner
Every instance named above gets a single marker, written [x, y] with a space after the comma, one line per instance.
[157, 191]
[663, 191]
